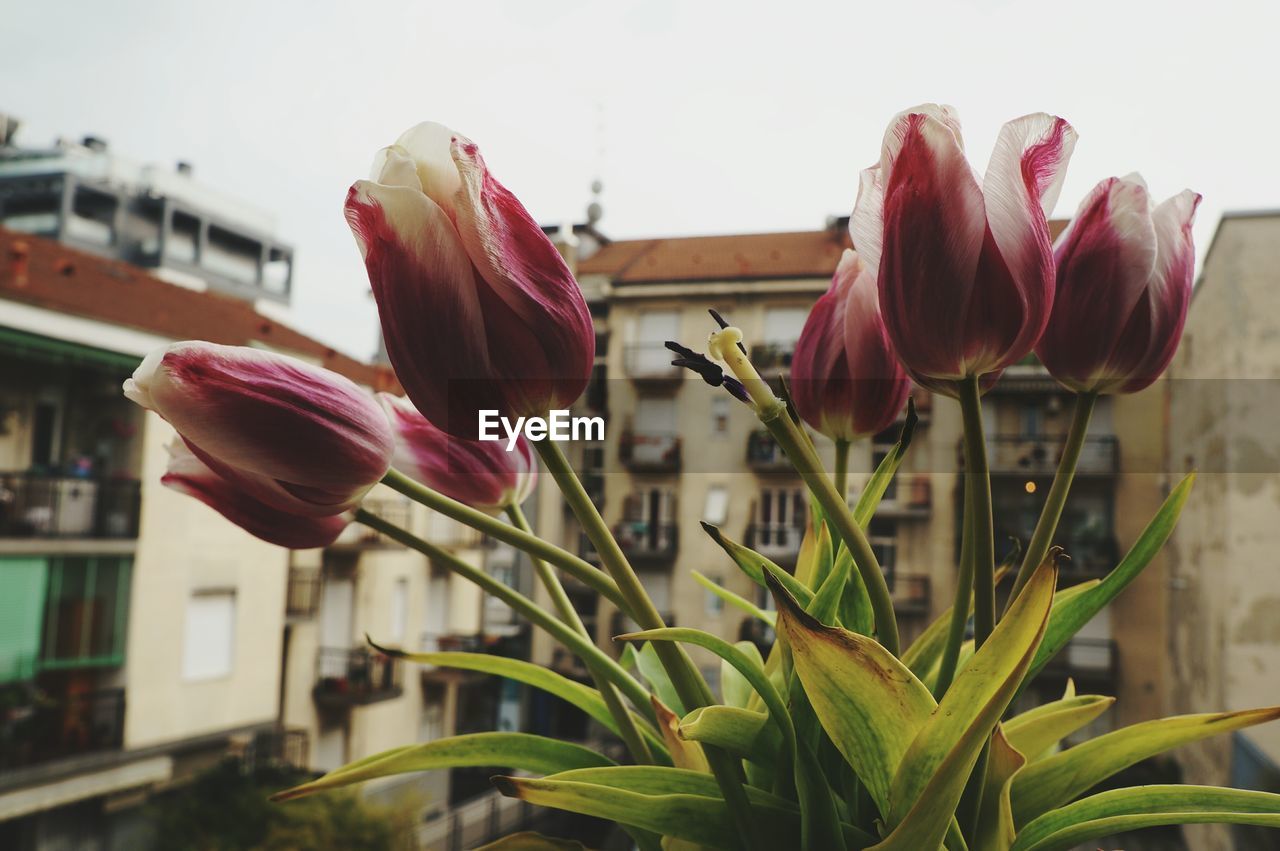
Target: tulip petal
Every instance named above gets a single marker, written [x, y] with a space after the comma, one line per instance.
[866, 225]
[428, 145]
[934, 224]
[189, 475]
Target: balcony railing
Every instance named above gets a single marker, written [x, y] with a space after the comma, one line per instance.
[1087, 660]
[648, 451]
[358, 536]
[38, 506]
[772, 358]
[650, 362]
[907, 500]
[646, 542]
[302, 597]
[282, 747]
[765, 455]
[910, 592]
[778, 542]
[1038, 455]
[353, 676]
[45, 728]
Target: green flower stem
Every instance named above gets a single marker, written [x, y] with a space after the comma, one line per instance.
[686, 679]
[960, 607]
[842, 468]
[521, 540]
[978, 484]
[635, 743]
[586, 649]
[1042, 537]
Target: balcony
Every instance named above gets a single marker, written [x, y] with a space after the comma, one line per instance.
[772, 358]
[1038, 455]
[910, 592]
[431, 642]
[650, 363]
[45, 727]
[1089, 661]
[650, 452]
[357, 536]
[647, 543]
[354, 676]
[39, 506]
[302, 595]
[778, 542]
[279, 748]
[910, 500]
[764, 455]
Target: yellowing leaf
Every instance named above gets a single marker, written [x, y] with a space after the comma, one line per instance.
[995, 818]
[1035, 731]
[684, 753]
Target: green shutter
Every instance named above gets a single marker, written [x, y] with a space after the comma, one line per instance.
[22, 598]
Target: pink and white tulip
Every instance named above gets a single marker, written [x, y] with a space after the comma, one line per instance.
[303, 439]
[478, 309]
[1124, 285]
[964, 266]
[845, 378]
[482, 474]
[189, 475]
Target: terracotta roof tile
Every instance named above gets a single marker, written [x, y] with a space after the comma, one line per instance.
[50, 275]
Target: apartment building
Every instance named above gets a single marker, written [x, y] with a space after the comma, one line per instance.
[1224, 588]
[677, 452]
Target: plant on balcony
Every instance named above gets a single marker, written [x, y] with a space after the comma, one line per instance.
[839, 737]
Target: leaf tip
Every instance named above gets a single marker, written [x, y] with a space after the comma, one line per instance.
[508, 787]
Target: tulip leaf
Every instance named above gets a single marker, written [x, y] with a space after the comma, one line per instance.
[1057, 779]
[655, 674]
[735, 688]
[742, 732]
[925, 652]
[528, 840]
[756, 566]
[524, 751]
[813, 562]
[1076, 611]
[928, 784]
[856, 614]
[867, 701]
[684, 753]
[826, 602]
[869, 501]
[1121, 810]
[995, 816]
[1036, 731]
[732, 599]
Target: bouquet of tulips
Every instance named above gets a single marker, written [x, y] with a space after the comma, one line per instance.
[839, 737]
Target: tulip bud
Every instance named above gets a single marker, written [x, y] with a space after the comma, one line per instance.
[482, 474]
[846, 381]
[1124, 285]
[188, 474]
[965, 269]
[478, 309]
[307, 440]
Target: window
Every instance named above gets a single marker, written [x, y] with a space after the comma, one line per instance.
[208, 641]
[1032, 420]
[716, 510]
[399, 608]
[782, 325]
[86, 610]
[883, 535]
[719, 415]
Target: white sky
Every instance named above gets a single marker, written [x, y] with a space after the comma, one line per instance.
[699, 117]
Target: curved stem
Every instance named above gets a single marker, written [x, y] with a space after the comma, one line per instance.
[495, 528]
[1047, 525]
[979, 485]
[959, 608]
[686, 679]
[842, 468]
[538, 616]
[635, 743]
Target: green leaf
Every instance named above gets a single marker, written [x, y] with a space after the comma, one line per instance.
[529, 840]
[826, 602]
[1055, 780]
[731, 598]
[756, 566]
[1077, 610]
[856, 614]
[655, 674]
[742, 732]
[869, 501]
[509, 750]
[925, 652]
[932, 776]
[813, 562]
[684, 753]
[1036, 731]
[995, 816]
[867, 701]
[735, 687]
[1121, 810]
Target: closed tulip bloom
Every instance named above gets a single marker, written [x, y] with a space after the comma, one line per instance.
[308, 440]
[1124, 285]
[845, 378]
[964, 267]
[482, 474]
[233, 500]
[478, 309]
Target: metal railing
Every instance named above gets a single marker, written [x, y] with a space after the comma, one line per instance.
[912, 498]
[355, 675]
[475, 822]
[772, 357]
[779, 542]
[764, 454]
[1085, 659]
[285, 747]
[359, 536]
[1038, 455]
[651, 451]
[645, 541]
[302, 595]
[650, 362]
[45, 727]
[41, 506]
